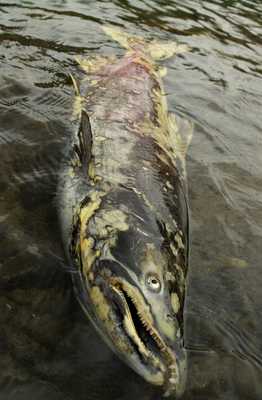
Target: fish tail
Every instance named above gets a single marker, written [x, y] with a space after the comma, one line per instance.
[157, 50]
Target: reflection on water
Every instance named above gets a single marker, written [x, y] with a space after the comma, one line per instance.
[47, 348]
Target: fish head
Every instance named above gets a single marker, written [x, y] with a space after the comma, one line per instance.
[133, 293]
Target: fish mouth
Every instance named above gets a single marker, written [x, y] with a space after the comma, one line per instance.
[155, 360]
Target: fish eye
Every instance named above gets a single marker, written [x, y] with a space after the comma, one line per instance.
[153, 283]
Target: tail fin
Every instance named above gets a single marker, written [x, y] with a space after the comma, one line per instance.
[156, 50]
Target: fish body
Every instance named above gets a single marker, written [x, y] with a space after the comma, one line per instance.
[124, 213]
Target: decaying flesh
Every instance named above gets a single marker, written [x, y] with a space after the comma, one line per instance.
[124, 209]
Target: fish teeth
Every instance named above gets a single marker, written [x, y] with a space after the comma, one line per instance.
[146, 324]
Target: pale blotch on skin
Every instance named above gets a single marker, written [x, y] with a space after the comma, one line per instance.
[92, 173]
[94, 64]
[179, 241]
[168, 184]
[77, 106]
[162, 71]
[175, 303]
[103, 312]
[88, 254]
[88, 210]
[173, 249]
[99, 301]
[105, 225]
[91, 170]
[169, 229]
[71, 172]
[113, 218]
[170, 277]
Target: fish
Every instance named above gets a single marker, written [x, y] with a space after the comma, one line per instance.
[123, 208]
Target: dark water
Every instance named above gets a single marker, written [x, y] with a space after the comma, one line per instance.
[47, 348]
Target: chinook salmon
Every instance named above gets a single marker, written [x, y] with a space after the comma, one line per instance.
[124, 210]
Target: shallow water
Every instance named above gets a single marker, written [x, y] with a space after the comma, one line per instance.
[47, 348]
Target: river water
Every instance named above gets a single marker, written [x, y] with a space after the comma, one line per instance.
[48, 350]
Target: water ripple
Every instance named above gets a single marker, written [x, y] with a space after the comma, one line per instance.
[218, 86]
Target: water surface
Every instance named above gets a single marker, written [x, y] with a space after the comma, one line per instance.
[48, 350]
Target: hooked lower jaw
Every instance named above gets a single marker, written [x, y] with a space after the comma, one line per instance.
[153, 358]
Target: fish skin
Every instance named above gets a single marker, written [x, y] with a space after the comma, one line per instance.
[123, 206]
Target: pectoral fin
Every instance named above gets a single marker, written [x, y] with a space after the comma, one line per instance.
[84, 146]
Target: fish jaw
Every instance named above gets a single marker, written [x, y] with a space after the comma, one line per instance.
[119, 312]
[167, 356]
